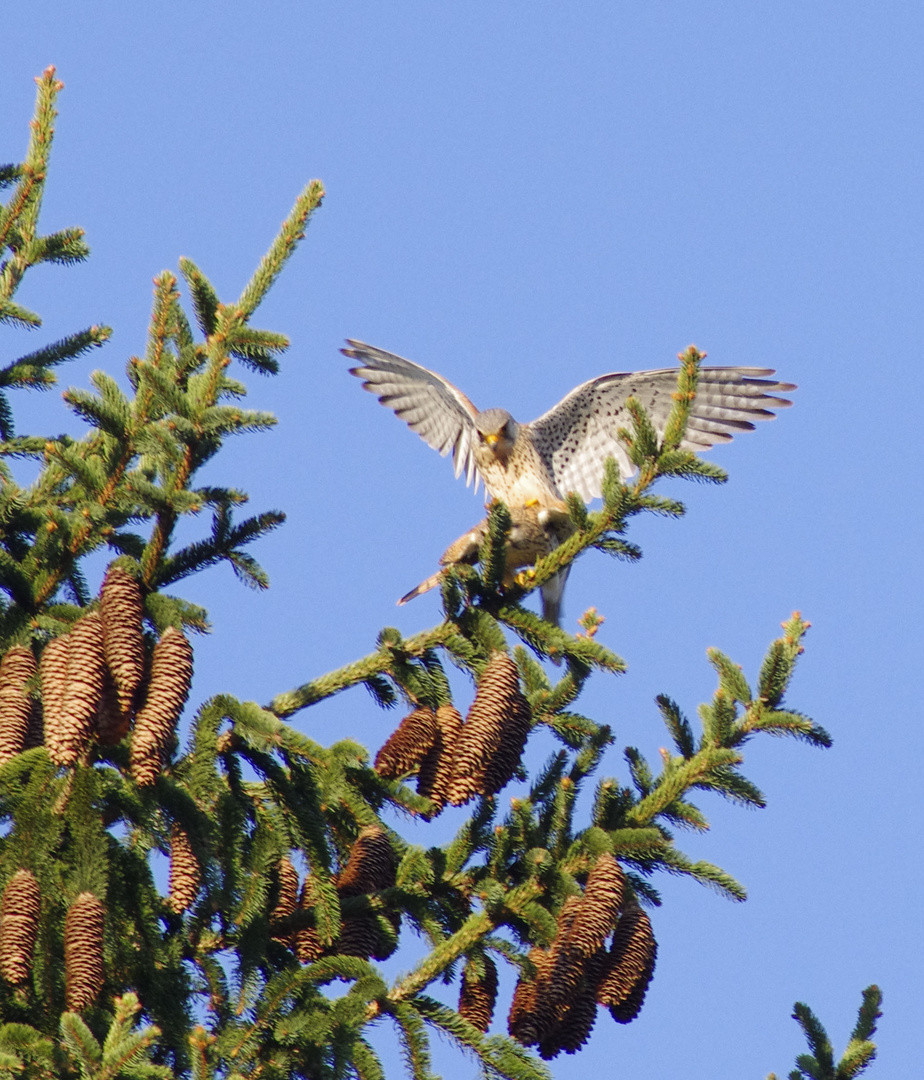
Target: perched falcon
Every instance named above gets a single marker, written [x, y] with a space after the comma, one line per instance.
[565, 449]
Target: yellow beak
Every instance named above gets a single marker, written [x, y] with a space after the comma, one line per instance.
[491, 439]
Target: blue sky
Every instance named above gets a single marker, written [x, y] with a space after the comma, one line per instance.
[523, 196]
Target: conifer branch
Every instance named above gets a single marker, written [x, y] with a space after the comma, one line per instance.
[293, 230]
[860, 1053]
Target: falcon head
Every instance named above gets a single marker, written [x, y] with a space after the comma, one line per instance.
[497, 432]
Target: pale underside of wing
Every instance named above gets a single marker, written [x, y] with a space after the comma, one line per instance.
[577, 436]
[439, 412]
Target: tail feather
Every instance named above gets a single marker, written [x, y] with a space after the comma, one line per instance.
[424, 586]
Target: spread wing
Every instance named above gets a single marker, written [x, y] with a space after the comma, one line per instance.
[577, 436]
[440, 414]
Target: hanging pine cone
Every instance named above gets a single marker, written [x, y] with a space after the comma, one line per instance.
[185, 876]
[575, 1026]
[496, 705]
[16, 668]
[122, 610]
[478, 994]
[168, 689]
[629, 966]
[111, 722]
[501, 769]
[83, 951]
[566, 969]
[288, 890]
[407, 745]
[436, 768]
[599, 910]
[53, 665]
[371, 864]
[86, 667]
[306, 941]
[523, 1021]
[19, 915]
[359, 936]
[71, 669]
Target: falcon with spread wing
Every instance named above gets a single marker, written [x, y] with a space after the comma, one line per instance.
[538, 463]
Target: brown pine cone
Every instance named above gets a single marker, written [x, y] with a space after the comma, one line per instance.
[496, 706]
[168, 689]
[574, 1028]
[436, 768]
[478, 994]
[523, 1020]
[83, 951]
[360, 936]
[371, 864]
[517, 725]
[603, 896]
[629, 966]
[86, 668]
[122, 611]
[185, 875]
[566, 968]
[407, 745]
[19, 915]
[16, 668]
[288, 890]
[53, 665]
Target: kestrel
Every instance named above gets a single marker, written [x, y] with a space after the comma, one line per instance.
[566, 448]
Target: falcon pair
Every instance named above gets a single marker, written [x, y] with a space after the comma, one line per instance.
[531, 467]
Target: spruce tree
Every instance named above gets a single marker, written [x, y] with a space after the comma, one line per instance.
[289, 881]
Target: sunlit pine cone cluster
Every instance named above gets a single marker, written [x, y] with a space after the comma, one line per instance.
[93, 677]
[16, 669]
[19, 916]
[555, 1010]
[185, 876]
[478, 994]
[167, 691]
[457, 760]
[83, 951]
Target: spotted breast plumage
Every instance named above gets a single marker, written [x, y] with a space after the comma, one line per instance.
[565, 449]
